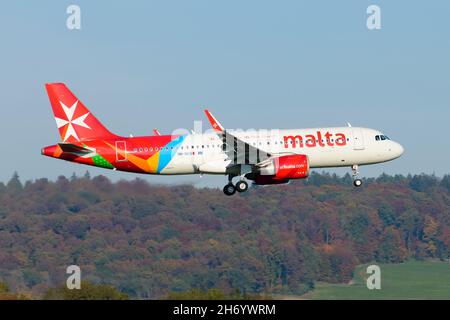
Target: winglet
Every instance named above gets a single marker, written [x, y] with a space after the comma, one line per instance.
[156, 132]
[214, 123]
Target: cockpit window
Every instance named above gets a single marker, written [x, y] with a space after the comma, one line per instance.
[379, 137]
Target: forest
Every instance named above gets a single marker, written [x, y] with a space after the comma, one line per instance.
[152, 241]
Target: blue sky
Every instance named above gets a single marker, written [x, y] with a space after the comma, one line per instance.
[256, 64]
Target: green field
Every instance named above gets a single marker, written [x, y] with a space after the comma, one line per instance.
[409, 280]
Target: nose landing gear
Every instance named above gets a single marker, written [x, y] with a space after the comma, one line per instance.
[356, 181]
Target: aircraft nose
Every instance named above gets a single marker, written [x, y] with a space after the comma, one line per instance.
[398, 149]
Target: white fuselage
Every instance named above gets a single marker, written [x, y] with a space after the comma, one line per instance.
[325, 147]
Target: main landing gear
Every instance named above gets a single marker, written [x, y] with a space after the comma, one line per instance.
[230, 188]
[356, 181]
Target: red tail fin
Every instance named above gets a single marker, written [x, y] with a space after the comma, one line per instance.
[74, 121]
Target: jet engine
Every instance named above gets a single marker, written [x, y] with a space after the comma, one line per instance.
[281, 169]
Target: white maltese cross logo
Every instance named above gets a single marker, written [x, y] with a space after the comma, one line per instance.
[70, 111]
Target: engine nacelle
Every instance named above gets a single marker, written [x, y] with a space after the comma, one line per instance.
[295, 166]
[265, 180]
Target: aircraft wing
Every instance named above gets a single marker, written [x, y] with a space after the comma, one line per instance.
[237, 150]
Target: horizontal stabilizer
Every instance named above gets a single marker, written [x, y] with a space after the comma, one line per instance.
[72, 148]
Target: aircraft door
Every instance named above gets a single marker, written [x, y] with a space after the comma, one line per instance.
[358, 139]
[121, 151]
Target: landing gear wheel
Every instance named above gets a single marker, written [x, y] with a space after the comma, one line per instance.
[241, 186]
[357, 182]
[229, 189]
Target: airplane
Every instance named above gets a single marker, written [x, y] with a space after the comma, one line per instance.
[265, 157]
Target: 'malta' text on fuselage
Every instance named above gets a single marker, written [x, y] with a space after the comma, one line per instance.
[310, 140]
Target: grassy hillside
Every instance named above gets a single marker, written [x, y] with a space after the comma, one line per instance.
[409, 280]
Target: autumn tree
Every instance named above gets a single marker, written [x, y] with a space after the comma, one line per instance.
[391, 248]
[14, 185]
[430, 232]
